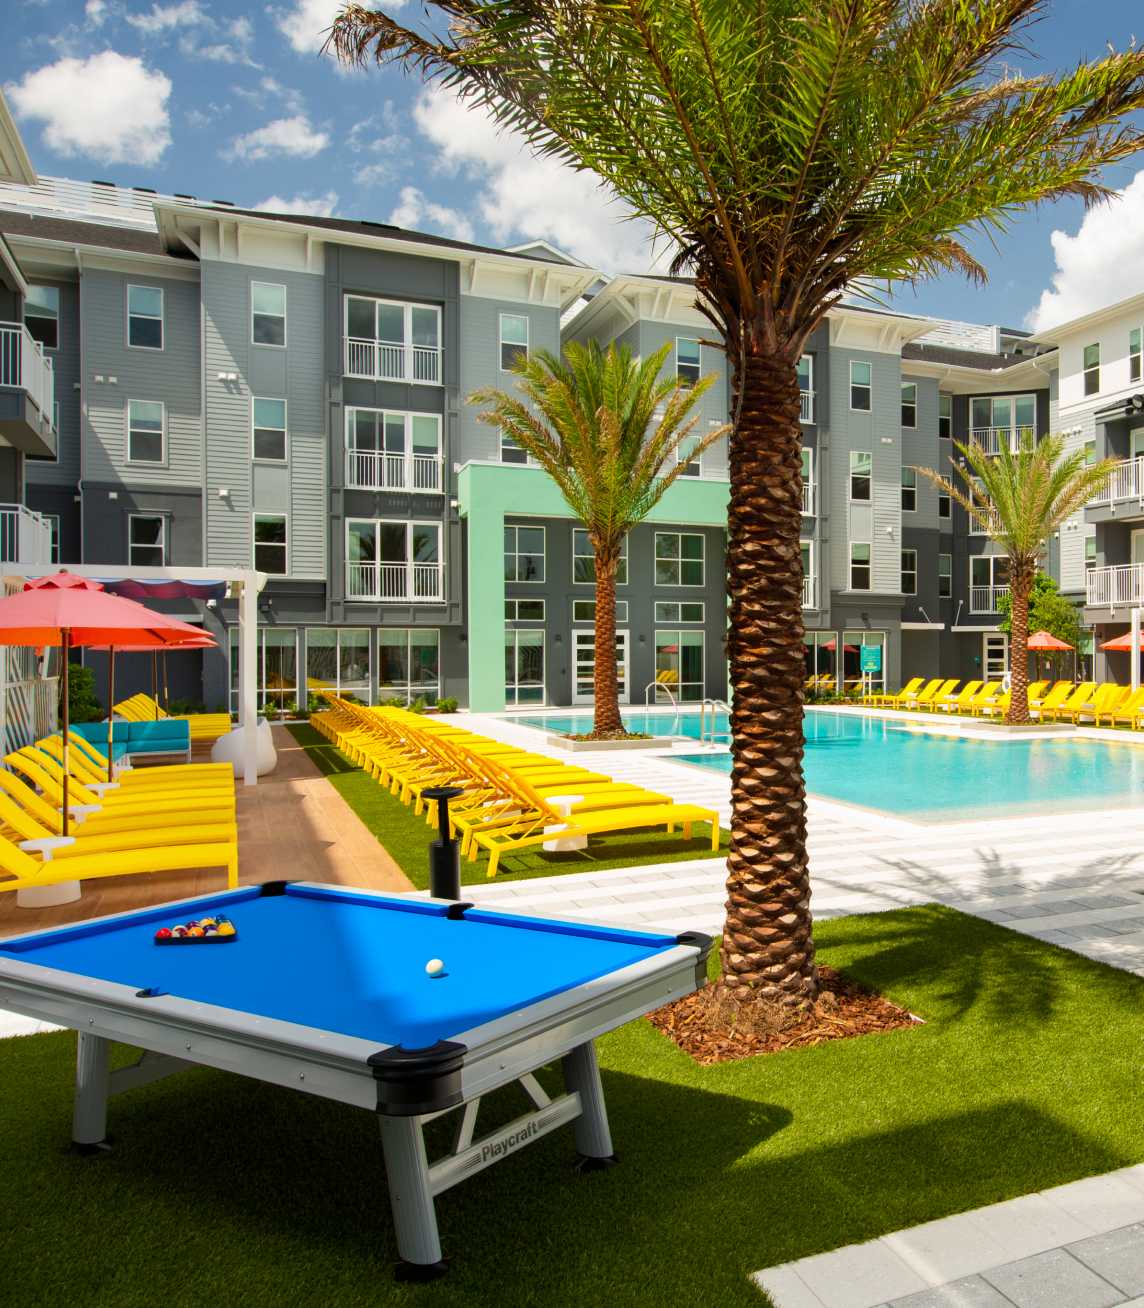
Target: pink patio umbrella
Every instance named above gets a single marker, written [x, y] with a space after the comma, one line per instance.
[1121, 644]
[1045, 641]
[70, 611]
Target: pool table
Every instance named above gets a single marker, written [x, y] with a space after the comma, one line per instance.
[325, 989]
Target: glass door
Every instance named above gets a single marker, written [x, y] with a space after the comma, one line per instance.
[584, 663]
[995, 656]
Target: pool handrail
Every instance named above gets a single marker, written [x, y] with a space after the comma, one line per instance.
[716, 706]
[658, 686]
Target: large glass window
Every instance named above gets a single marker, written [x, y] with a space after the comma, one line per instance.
[909, 490]
[909, 404]
[147, 539]
[988, 581]
[859, 566]
[337, 660]
[392, 340]
[268, 428]
[276, 668]
[853, 643]
[267, 313]
[408, 663]
[145, 317]
[679, 663]
[393, 560]
[678, 558]
[146, 423]
[42, 315]
[523, 667]
[524, 554]
[391, 450]
[1092, 369]
[909, 572]
[1002, 419]
[584, 560]
[687, 360]
[513, 339]
[860, 385]
[820, 650]
[270, 543]
[861, 472]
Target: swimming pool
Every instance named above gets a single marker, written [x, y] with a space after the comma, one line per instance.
[883, 764]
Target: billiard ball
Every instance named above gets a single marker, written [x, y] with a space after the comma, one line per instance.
[226, 928]
[205, 922]
[164, 933]
[195, 931]
[179, 931]
[210, 931]
[434, 967]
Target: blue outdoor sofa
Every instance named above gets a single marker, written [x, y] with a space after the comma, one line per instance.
[140, 740]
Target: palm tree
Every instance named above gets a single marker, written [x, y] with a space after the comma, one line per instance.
[613, 435]
[1018, 500]
[792, 150]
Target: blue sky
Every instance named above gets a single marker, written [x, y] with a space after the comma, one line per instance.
[233, 101]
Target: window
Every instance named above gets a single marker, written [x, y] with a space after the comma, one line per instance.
[678, 559]
[679, 663]
[807, 480]
[42, 315]
[409, 663]
[146, 422]
[388, 450]
[1002, 419]
[585, 611]
[945, 416]
[679, 612]
[685, 454]
[267, 313]
[277, 667]
[1091, 369]
[584, 560]
[523, 667]
[147, 540]
[145, 317]
[686, 360]
[988, 581]
[806, 551]
[524, 610]
[513, 339]
[337, 659]
[510, 451]
[393, 561]
[391, 340]
[53, 521]
[524, 554]
[853, 643]
[909, 572]
[859, 385]
[861, 467]
[268, 420]
[859, 567]
[270, 543]
[944, 505]
[945, 576]
[1090, 451]
[1134, 341]
[909, 404]
[819, 649]
[909, 490]
[806, 373]
[1089, 553]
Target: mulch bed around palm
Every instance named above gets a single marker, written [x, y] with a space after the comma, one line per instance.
[712, 1028]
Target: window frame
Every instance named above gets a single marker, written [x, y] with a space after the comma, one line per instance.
[406, 343]
[908, 571]
[946, 577]
[1089, 563]
[679, 560]
[284, 545]
[808, 358]
[1090, 372]
[674, 635]
[697, 365]
[910, 488]
[622, 567]
[410, 526]
[945, 400]
[867, 386]
[142, 515]
[868, 564]
[255, 457]
[407, 687]
[516, 528]
[944, 501]
[160, 462]
[55, 537]
[868, 476]
[621, 612]
[147, 317]
[513, 685]
[501, 342]
[270, 345]
[911, 405]
[55, 290]
[1136, 356]
[662, 618]
[515, 601]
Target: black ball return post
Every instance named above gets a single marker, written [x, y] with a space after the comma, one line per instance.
[444, 856]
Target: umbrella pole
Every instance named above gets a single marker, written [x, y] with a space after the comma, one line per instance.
[110, 701]
[65, 642]
[166, 688]
[155, 681]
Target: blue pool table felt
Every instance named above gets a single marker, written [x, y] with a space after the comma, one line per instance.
[348, 963]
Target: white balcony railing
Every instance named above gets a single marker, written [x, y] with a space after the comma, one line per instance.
[984, 599]
[376, 470]
[25, 537]
[806, 406]
[393, 582]
[808, 592]
[807, 498]
[1125, 482]
[392, 361]
[991, 439]
[1110, 587]
[24, 365]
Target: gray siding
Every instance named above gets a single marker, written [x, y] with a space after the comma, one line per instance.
[715, 405]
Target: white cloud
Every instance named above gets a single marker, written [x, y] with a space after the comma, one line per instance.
[321, 206]
[110, 107]
[1101, 264]
[524, 197]
[415, 211]
[306, 23]
[284, 136]
[164, 18]
[271, 88]
[373, 174]
[234, 48]
[95, 11]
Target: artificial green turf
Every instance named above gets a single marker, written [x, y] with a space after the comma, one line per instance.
[407, 838]
[223, 1190]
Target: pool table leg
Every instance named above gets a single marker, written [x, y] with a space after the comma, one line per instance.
[411, 1199]
[92, 1085]
[593, 1138]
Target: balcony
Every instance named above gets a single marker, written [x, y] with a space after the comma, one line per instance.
[1125, 483]
[393, 583]
[393, 361]
[807, 499]
[808, 589]
[25, 537]
[1110, 588]
[806, 406]
[375, 470]
[27, 392]
[993, 439]
[984, 599]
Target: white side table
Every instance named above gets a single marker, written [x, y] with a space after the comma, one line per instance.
[566, 844]
[56, 892]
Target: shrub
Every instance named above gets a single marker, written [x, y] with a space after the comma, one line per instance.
[447, 705]
[82, 703]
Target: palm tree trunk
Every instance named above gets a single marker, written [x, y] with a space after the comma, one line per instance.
[768, 945]
[1020, 585]
[605, 683]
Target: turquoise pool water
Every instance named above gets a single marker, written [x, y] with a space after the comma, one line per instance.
[882, 764]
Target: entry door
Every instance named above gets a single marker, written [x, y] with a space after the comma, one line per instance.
[995, 656]
[584, 655]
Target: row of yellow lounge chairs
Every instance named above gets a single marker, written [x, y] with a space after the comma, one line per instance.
[506, 805]
[1065, 701]
[142, 708]
[154, 819]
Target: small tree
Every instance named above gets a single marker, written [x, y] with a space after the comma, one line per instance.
[1049, 611]
[613, 435]
[1019, 500]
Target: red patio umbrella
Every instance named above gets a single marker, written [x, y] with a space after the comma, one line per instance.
[1044, 640]
[1122, 644]
[69, 611]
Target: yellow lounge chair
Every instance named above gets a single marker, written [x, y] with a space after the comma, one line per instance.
[90, 766]
[1079, 697]
[956, 702]
[932, 694]
[908, 691]
[986, 695]
[1053, 699]
[1108, 696]
[1127, 713]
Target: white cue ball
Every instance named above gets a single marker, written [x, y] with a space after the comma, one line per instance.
[434, 967]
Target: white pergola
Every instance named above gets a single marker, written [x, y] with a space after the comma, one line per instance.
[246, 582]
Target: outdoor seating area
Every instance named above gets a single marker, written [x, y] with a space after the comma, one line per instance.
[139, 740]
[144, 708]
